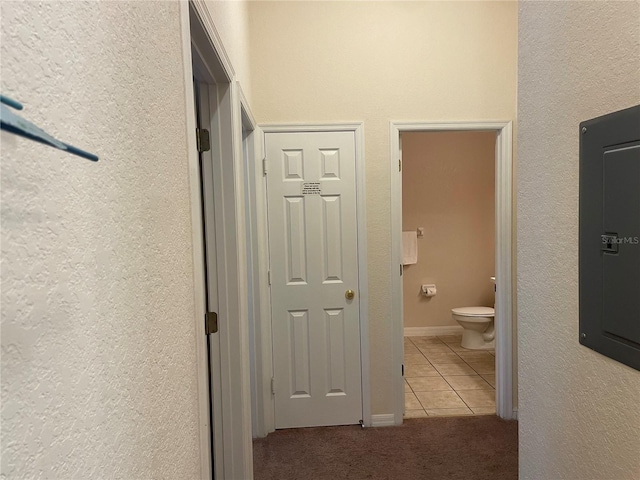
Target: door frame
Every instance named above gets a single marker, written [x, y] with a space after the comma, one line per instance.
[264, 338]
[503, 250]
[204, 57]
[259, 304]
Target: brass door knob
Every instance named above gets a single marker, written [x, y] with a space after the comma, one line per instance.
[349, 294]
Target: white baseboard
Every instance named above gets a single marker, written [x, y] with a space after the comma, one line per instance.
[383, 420]
[432, 331]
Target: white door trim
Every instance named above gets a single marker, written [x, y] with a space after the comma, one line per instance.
[236, 384]
[504, 243]
[264, 406]
[260, 353]
[233, 438]
[197, 235]
[222, 60]
[358, 129]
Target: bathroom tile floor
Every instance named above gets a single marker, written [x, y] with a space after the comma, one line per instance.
[442, 378]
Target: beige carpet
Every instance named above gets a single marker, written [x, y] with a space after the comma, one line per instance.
[465, 448]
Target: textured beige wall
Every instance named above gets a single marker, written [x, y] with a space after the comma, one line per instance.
[376, 62]
[578, 410]
[98, 347]
[448, 187]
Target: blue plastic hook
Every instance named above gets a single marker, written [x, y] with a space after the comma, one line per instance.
[13, 123]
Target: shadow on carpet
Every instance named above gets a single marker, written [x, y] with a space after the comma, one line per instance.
[465, 448]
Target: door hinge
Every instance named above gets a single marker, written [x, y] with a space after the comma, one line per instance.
[264, 166]
[403, 369]
[401, 269]
[202, 139]
[399, 165]
[273, 386]
[269, 276]
[210, 323]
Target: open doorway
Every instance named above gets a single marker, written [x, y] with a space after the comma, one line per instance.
[448, 223]
[439, 334]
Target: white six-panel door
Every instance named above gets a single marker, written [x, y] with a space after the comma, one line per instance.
[313, 253]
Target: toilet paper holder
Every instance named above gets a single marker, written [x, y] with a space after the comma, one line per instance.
[428, 290]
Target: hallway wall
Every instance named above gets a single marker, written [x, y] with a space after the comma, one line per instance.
[98, 316]
[377, 62]
[578, 410]
[231, 19]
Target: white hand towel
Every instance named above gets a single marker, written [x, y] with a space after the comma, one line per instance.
[409, 248]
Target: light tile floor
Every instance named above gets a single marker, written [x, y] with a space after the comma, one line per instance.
[442, 378]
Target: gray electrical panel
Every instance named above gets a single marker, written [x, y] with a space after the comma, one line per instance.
[610, 235]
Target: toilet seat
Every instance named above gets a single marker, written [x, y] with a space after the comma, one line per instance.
[473, 311]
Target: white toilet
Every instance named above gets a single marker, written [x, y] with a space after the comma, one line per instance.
[477, 323]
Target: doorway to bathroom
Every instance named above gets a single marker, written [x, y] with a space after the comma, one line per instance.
[451, 206]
